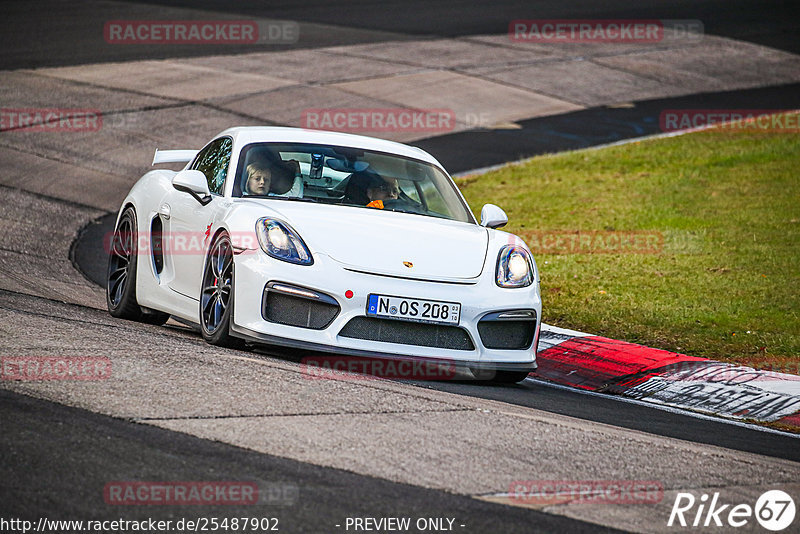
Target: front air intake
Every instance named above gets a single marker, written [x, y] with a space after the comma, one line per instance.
[296, 306]
[509, 330]
[408, 333]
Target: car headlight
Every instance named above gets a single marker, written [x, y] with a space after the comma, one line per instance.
[280, 241]
[514, 267]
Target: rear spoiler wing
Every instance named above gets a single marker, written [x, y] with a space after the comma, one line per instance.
[173, 156]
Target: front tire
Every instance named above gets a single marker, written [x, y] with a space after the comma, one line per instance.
[216, 296]
[121, 274]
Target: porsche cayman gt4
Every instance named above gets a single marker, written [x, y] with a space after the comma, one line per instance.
[329, 242]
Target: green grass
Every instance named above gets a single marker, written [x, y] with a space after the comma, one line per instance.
[726, 283]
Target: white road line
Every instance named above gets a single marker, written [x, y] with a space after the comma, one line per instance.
[662, 407]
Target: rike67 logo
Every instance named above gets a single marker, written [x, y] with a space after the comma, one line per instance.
[774, 510]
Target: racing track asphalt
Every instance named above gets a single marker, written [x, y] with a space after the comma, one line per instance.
[50, 40]
[768, 22]
[33, 457]
[75, 453]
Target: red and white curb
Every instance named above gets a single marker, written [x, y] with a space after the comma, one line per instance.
[657, 376]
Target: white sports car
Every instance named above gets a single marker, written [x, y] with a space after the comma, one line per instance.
[330, 242]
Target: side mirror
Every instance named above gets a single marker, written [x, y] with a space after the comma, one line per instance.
[193, 182]
[493, 217]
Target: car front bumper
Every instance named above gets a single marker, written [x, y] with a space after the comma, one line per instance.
[479, 298]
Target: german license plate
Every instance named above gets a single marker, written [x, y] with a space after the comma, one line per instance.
[428, 311]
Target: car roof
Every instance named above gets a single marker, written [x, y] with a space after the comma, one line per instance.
[271, 134]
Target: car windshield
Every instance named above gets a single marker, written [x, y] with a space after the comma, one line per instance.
[348, 177]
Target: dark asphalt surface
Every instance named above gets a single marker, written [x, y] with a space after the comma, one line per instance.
[770, 22]
[45, 35]
[55, 461]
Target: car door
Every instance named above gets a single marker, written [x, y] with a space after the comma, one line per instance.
[190, 221]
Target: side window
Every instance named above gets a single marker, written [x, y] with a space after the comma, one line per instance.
[213, 162]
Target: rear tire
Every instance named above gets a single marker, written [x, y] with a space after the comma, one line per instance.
[216, 296]
[121, 274]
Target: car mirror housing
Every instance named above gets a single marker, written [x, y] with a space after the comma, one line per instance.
[192, 180]
[194, 183]
[493, 217]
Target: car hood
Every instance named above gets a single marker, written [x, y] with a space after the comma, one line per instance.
[382, 242]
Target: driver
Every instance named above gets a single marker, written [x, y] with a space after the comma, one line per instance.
[380, 189]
